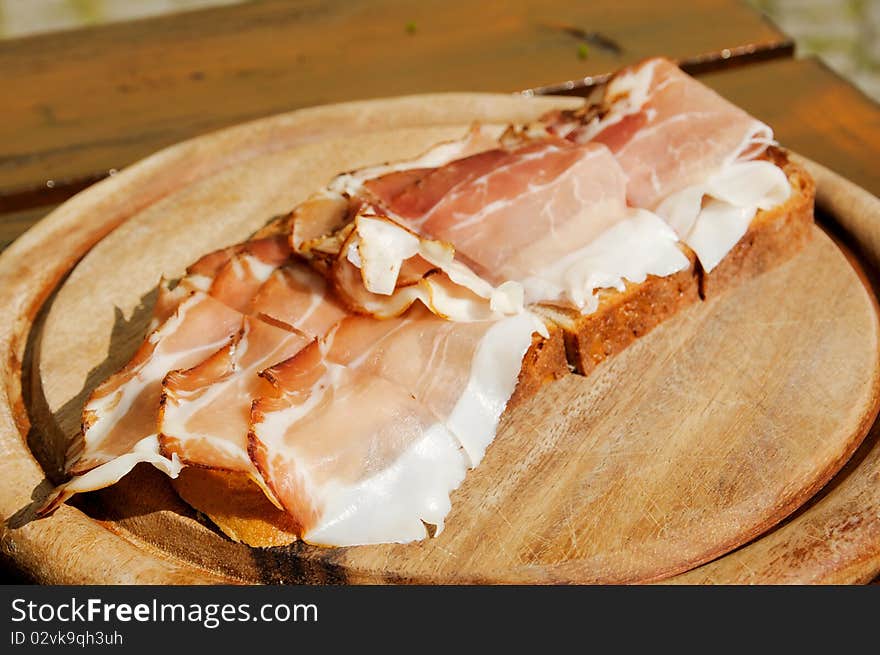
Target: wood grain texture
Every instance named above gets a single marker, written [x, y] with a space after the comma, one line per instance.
[14, 224]
[78, 104]
[835, 538]
[156, 529]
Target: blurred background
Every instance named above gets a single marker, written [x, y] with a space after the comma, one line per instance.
[844, 33]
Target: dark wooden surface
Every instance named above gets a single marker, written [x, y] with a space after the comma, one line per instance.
[12, 224]
[81, 103]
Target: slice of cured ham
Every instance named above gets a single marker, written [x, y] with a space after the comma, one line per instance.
[711, 217]
[637, 245]
[382, 268]
[296, 298]
[259, 278]
[523, 214]
[466, 373]
[122, 410]
[667, 130]
[199, 277]
[231, 275]
[205, 410]
[422, 400]
[202, 333]
[691, 156]
[315, 221]
[378, 264]
[110, 472]
[370, 474]
[534, 203]
[239, 279]
[119, 419]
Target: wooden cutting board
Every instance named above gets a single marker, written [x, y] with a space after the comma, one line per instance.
[696, 440]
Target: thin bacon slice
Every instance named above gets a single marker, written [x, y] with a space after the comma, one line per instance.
[373, 473]
[199, 277]
[205, 410]
[297, 298]
[230, 274]
[539, 201]
[239, 279]
[421, 398]
[345, 238]
[120, 418]
[461, 237]
[415, 192]
[328, 211]
[382, 268]
[466, 373]
[122, 411]
[667, 130]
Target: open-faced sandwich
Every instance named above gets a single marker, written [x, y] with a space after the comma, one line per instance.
[335, 378]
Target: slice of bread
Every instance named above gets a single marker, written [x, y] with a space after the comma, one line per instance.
[577, 342]
[236, 505]
[774, 236]
[544, 362]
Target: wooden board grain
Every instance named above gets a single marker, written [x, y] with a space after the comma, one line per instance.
[17, 223]
[835, 538]
[172, 543]
[81, 103]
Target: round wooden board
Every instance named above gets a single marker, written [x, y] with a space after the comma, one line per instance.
[695, 440]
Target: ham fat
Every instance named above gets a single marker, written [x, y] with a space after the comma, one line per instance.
[368, 430]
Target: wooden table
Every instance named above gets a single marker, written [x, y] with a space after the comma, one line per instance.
[79, 105]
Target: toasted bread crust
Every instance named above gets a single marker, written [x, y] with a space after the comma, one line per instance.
[774, 237]
[544, 362]
[623, 316]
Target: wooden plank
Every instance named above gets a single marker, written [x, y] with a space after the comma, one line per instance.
[813, 111]
[80, 103]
